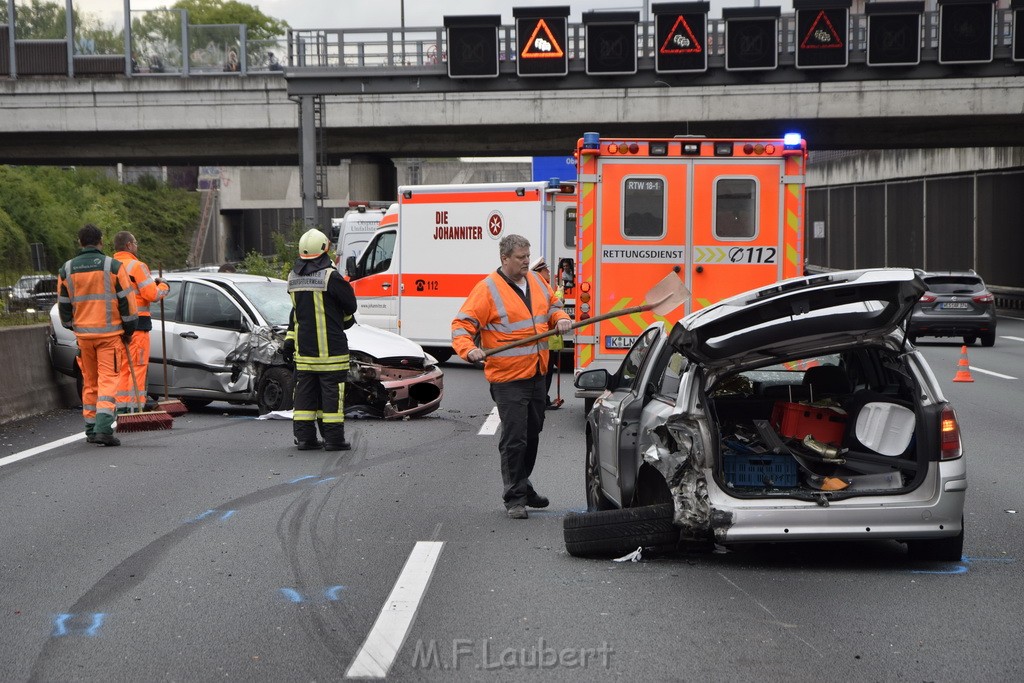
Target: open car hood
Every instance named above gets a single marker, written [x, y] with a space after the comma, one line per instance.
[381, 343]
[798, 315]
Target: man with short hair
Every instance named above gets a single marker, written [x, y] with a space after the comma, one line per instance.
[131, 392]
[511, 304]
[323, 307]
[96, 302]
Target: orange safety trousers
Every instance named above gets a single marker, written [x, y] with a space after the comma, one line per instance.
[132, 395]
[101, 361]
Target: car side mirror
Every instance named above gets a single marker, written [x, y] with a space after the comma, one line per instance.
[350, 266]
[593, 379]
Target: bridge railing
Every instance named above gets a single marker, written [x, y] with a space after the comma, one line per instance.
[428, 47]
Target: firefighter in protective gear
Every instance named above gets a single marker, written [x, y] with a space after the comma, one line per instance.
[511, 304]
[95, 301]
[323, 307]
[131, 392]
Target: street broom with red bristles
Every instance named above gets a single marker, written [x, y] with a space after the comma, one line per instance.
[143, 420]
[171, 406]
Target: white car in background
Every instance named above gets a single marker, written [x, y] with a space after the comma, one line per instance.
[223, 336]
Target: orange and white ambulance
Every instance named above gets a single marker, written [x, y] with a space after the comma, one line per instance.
[438, 241]
[728, 213]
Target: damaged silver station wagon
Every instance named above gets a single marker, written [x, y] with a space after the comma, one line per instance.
[794, 412]
[224, 335]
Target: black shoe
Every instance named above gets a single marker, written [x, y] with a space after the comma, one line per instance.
[518, 512]
[106, 440]
[309, 445]
[90, 438]
[535, 500]
[551, 406]
[342, 446]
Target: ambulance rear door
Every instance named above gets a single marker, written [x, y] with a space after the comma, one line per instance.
[737, 227]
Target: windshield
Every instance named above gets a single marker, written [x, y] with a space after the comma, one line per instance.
[270, 298]
[950, 284]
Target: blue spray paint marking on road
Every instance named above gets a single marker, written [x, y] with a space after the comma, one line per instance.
[97, 621]
[226, 515]
[325, 479]
[200, 517]
[59, 628]
[332, 592]
[291, 594]
[960, 569]
[968, 560]
[308, 476]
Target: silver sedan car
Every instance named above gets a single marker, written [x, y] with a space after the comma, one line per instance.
[794, 412]
[223, 333]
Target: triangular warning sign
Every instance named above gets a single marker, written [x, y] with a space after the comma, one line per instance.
[680, 40]
[542, 46]
[821, 35]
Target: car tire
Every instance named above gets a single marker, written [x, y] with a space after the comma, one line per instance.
[194, 404]
[988, 339]
[939, 549]
[969, 340]
[275, 390]
[615, 532]
[592, 482]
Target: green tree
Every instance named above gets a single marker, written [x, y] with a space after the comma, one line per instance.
[259, 26]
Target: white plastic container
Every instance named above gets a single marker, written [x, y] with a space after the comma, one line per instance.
[885, 428]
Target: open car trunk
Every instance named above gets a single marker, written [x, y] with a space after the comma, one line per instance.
[845, 424]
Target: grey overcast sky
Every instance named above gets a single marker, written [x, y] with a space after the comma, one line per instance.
[387, 13]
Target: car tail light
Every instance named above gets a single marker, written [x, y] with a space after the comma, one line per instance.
[983, 299]
[927, 298]
[950, 447]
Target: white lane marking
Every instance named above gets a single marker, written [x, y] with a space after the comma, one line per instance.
[42, 449]
[490, 425]
[385, 639]
[1003, 336]
[974, 368]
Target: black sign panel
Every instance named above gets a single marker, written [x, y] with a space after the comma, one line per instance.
[965, 31]
[894, 33]
[822, 34]
[541, 46]
[611, 42]
[751, 38]
[1018, 33]
[473, 46]
[680, 35]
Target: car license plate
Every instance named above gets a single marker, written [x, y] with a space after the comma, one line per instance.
[956, 305]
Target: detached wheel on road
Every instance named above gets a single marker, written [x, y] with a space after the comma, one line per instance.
[275, 390]
[616, 532]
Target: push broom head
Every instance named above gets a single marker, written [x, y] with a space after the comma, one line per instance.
[147, 421]
[172, 407]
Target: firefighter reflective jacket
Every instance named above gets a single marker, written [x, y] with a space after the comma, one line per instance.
[94, 296]
[323, 307]
[497, 314]
[147, 291]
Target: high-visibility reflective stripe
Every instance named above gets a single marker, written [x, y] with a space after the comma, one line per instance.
[528, 350]
[304, 415]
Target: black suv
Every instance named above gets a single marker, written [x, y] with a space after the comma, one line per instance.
[957, 304]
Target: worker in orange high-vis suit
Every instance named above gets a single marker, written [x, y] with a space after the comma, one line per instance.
[131, 393]
[511, 304]
[95, 301]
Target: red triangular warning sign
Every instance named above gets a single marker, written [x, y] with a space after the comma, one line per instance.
[821, 35]
[542, 46]
[680, 40]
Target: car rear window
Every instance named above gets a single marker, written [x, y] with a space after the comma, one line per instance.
[955, 284]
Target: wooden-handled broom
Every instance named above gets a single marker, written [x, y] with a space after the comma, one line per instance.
[141, 420]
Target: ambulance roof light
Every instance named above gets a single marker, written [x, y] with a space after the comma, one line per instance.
[591, 141]
[792, 139]
[554, 184]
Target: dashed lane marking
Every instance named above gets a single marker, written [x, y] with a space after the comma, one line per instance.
[42, 449]
[490, 425]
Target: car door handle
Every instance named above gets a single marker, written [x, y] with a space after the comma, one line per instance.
[385, 285]
[188, 335]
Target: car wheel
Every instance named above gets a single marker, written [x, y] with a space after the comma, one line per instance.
[938, 550]
[969, 340]
[275, 390]
[614, 532]
[988, 339]
[595, 499]
[194, 404]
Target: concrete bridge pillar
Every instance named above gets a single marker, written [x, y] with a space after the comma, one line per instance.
[372, 178]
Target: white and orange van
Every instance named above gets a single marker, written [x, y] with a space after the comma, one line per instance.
[728, 213]
[438, 241]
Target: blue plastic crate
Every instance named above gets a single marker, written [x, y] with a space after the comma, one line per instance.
[761, 470]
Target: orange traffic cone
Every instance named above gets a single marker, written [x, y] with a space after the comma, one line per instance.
[963, 372]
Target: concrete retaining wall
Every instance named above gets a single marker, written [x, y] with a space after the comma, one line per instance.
[28, 384]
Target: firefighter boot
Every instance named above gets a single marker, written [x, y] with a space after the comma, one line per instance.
[337, 442]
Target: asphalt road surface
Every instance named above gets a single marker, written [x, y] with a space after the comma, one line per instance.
[215, 550]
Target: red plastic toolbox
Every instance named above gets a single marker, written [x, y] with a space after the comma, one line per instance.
[797, 420]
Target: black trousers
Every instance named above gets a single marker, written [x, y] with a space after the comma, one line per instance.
[319, 401]
[521, 409]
